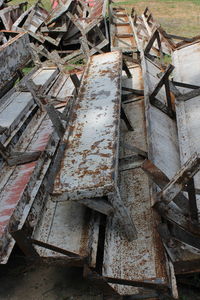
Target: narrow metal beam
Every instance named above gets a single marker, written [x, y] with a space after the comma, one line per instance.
[98, 204]
[55, 118]
[24, 244]
[173, 188]
[126, 120]
[123, 216]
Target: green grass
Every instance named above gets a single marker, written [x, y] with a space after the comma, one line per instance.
[180, 17]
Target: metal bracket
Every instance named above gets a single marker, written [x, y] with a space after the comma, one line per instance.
[164, 80]
[18, 158]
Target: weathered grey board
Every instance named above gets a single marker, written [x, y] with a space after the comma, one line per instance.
[142, 259]
[13, 55]
[187, 70]
[89, 165]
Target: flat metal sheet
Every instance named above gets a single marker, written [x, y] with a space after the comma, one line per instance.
[70, 226]
[187, 70]
[89, 165]
[141, 259]
[43, 75]
[162, 130]
[15, 108]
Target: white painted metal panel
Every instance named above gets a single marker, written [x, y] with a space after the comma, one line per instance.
[162, 130]
[70, 226]
[143, 258]
[187, 70]
[14, 109]
[88, 168]
[43, 76]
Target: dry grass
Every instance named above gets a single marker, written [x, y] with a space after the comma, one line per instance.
[177, 17]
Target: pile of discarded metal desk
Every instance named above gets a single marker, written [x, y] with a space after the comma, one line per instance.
[100, 163]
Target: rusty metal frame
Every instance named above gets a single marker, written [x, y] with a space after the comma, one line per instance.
[164, 80]
[10, 14]
[104, 283]
[27, 246]
[119, 20]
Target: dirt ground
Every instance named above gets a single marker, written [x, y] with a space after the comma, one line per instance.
[22, 280]
[25, 281]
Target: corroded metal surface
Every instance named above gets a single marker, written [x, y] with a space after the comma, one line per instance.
[16, 106]
[13, 110]
[96, 15]
[70, 226]
[142, 259]
[20, 179]
[121, 33]
[13, 55]
[20, 184]
[88, 168]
